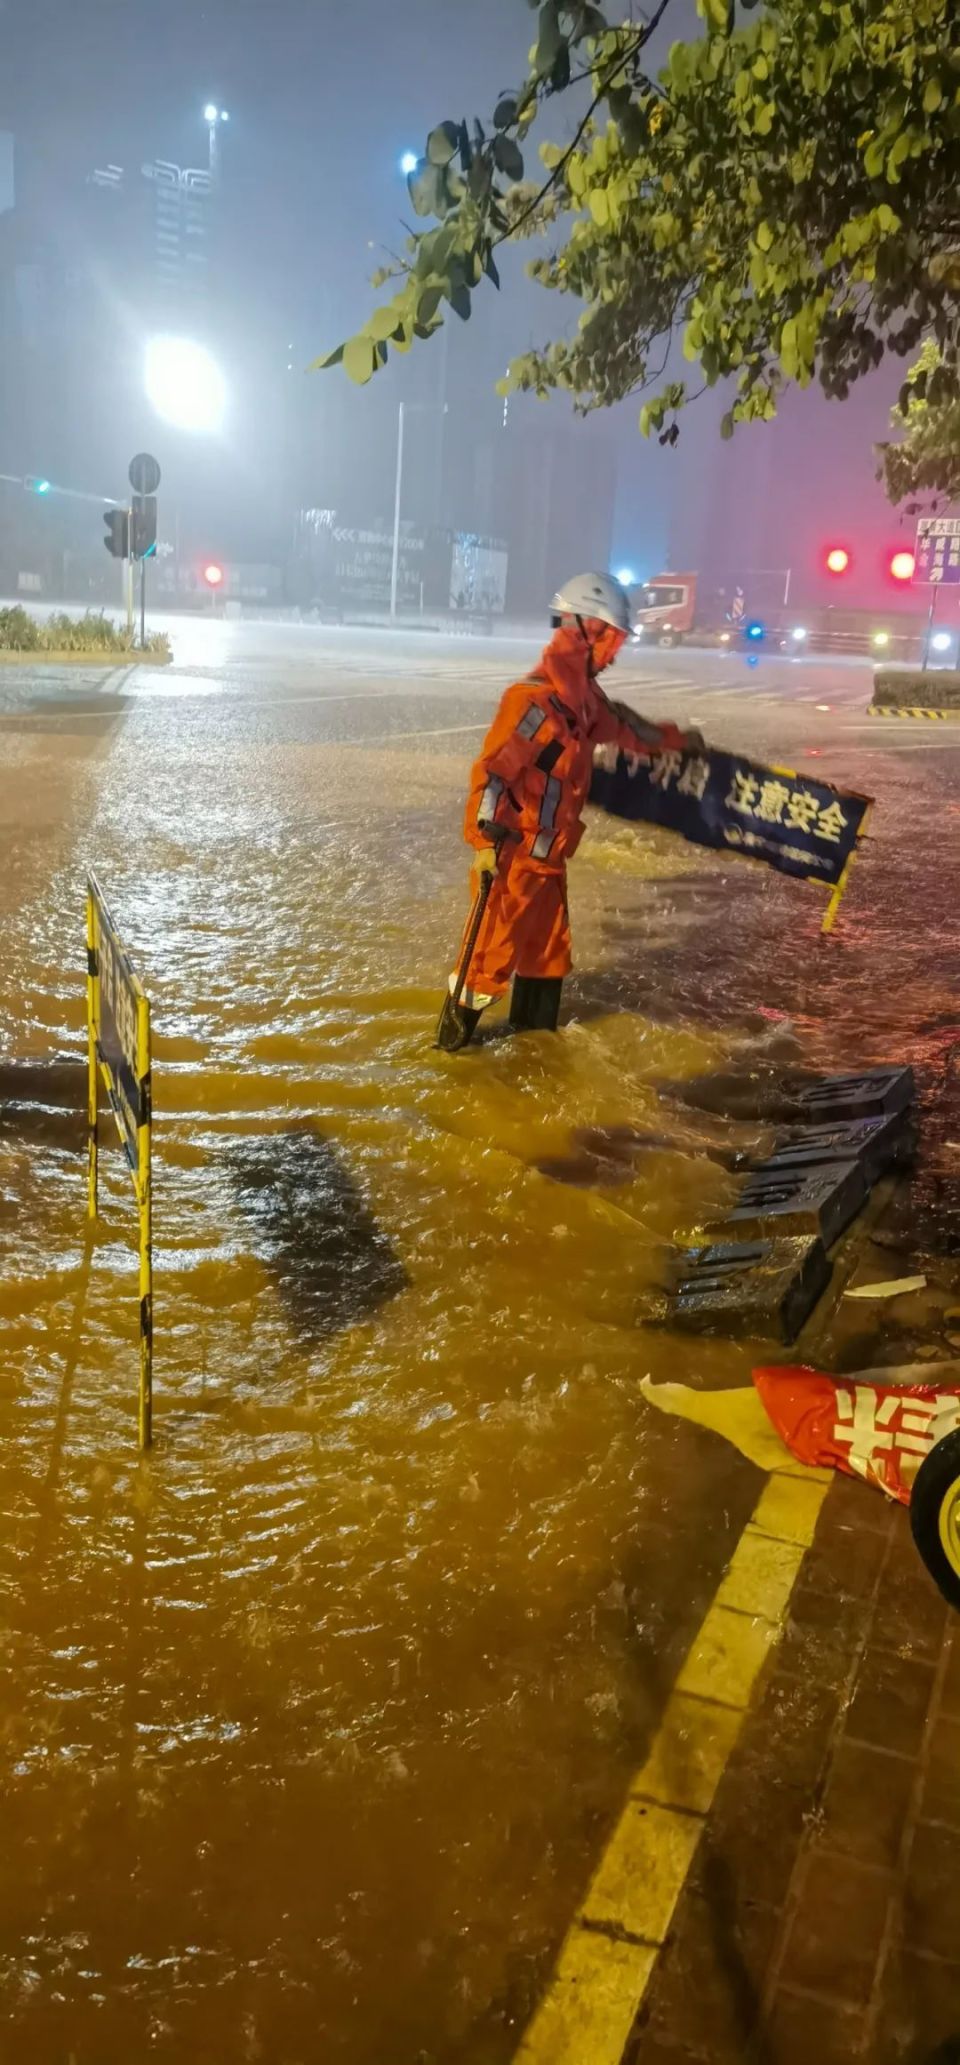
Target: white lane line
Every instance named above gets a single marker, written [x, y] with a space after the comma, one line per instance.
[449, 731]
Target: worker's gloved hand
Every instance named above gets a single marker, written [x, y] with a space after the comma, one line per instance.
[693, 740]
[485, 860]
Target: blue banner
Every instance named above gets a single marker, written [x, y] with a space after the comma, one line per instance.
[792, 822]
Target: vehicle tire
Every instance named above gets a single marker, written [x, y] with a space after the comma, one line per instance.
[668, 638]
[935, 1515]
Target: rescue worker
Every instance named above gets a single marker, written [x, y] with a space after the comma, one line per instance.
[523, 816]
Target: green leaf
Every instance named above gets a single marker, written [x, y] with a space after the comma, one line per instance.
[461, 303]
[560, 75]
[382, 323]
[600, 206]
[789, 356]
[443, 143]
[898, 155]
[550, 40]
[330, 358]
[873, 158]
[428, 304]
[932, 96]
[505, 112]
[764, 235]
[427, 189]
[678, 66]
[509, 157]
[359, 359]
[763, 119]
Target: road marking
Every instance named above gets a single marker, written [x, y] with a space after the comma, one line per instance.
[449, 731]
[610, 1951]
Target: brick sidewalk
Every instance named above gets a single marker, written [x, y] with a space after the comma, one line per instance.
[821, 1919]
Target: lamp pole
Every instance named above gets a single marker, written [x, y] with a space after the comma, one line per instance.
[398, 491]
[398, 496]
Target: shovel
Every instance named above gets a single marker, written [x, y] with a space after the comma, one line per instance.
[498, 835]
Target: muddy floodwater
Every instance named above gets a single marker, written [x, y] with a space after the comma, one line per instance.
[313, 1720]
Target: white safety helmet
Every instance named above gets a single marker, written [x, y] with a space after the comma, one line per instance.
[594, 595]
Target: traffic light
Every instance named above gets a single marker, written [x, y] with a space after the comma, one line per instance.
[143, 526]
[902, 566]
[837, 559]
[213, 575]
[117, 540]
[36, 485]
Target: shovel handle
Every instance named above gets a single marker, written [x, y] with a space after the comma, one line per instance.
[480, 905]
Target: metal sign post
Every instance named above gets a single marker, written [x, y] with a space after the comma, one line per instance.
[118, 1052]
[144, 476]
[936, 561]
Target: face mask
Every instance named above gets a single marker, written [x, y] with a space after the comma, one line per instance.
[606, 647]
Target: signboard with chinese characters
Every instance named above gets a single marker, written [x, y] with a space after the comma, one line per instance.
[795, 823]
[118, 1008]
[937, 554]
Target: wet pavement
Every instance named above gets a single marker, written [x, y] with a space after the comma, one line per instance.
[315, 1720]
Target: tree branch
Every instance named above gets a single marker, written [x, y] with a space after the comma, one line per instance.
[643, 36]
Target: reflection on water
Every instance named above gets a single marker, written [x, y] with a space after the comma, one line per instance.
[332, 1263]
[314, 1720]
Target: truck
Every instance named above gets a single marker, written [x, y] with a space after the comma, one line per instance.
[667, 610]
[671, 607]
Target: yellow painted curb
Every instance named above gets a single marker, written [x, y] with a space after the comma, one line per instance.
[610, 1951]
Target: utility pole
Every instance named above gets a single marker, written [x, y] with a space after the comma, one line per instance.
[395, 569]
[398, 493]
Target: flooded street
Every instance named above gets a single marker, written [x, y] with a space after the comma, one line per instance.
[313, 1721]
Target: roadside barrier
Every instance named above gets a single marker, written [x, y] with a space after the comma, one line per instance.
[768, 1261]
[943, 716]
[118, 1052]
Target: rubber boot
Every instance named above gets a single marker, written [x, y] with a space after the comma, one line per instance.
[535, 1003]
[457, 1026]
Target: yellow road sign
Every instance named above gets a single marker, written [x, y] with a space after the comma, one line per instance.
[118, 1053]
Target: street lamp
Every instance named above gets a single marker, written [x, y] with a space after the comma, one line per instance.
[213, 116]
[185, 384]
[409, 163]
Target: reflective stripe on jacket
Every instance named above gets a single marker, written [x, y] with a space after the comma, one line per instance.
[534, 769]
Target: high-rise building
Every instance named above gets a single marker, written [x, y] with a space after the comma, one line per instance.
[167, 216]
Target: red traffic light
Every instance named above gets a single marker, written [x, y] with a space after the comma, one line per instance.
[837, 560]
[213, 575]
[903, 566]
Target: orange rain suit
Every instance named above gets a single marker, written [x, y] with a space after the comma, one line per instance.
[532, 777]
